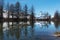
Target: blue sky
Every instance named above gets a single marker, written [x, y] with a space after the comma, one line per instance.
[39, 5]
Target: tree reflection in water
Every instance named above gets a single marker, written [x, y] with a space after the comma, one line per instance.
[19, 30]
[24, 30]
[1, 31]
[57, 26]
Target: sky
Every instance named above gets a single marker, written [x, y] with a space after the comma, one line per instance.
[49, 6]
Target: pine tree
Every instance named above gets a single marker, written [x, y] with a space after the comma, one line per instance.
[11, 9]
[18, 9]
[8, 9]
[25, 12]
[1, 8]
[32, 13]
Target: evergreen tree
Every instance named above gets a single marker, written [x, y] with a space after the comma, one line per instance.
[25, 12]
[1, 8]
[56, 16]
[11, 9]
[8, 9]
[32, 13]
[18, 9]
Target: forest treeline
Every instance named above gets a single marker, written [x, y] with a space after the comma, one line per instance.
[16, 10]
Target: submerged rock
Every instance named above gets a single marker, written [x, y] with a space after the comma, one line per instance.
[57, 34]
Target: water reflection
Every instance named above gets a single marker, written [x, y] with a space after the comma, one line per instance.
[57, 24]
[43, 24]
[41, 30]
[1, 31]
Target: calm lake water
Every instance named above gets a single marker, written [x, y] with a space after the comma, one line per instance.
[41, 30]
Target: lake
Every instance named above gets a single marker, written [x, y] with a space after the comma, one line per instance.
[39, 30]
